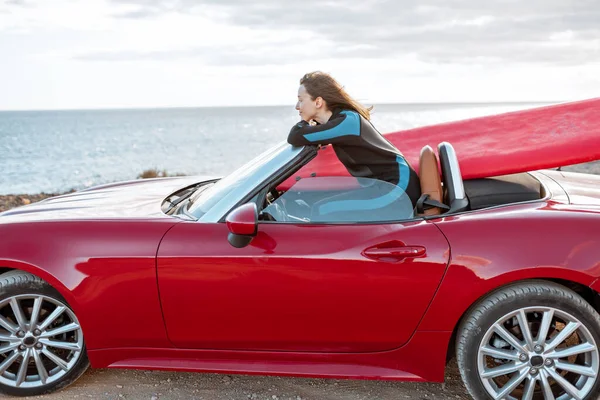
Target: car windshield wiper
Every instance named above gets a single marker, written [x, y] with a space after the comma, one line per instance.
[186, 195]
[173, 204]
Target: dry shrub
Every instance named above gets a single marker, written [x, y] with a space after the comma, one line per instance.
[155, 173]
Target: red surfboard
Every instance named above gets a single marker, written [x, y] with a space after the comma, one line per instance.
[518, 141]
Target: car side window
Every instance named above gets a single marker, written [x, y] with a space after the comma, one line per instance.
[338, 199]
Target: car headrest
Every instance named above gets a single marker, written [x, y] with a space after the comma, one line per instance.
[453, 182]
[429, 177]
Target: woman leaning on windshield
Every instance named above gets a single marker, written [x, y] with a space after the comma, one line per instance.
[330, 116]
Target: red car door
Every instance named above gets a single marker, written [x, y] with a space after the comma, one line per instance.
[314, 288]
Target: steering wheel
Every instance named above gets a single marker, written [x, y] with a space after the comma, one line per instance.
[272, 195]
[277, 211]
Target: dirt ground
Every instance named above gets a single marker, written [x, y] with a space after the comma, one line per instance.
[154, 385]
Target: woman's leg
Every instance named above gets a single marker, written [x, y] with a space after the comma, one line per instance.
[380, 201]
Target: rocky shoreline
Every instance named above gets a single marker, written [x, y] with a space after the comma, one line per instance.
[16, 200]
[9, 201]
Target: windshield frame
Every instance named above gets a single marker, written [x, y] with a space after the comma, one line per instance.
[227, 192]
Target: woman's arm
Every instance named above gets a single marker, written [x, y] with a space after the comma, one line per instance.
[343, 126]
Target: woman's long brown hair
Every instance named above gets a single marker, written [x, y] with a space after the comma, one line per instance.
[321, 84]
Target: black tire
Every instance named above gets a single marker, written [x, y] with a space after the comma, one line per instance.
[15, 283]
[483, 315]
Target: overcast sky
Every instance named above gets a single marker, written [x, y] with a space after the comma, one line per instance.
[57, 54]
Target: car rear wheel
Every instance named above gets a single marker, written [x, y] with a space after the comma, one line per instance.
[41, 342]
[536, 341]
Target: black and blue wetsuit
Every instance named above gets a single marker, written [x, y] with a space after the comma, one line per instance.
[364, 151]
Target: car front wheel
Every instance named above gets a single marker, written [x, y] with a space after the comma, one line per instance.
[41, 342]
[534, 340]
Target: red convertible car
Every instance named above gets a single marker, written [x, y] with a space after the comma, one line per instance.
[235, 275]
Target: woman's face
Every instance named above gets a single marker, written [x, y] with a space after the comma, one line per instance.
[307, 107]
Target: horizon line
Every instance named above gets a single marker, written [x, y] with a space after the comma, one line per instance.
[280, 105]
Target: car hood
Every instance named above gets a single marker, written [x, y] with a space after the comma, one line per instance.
[582, 189]
[123, 200]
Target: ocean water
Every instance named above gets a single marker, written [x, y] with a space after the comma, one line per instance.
[56, 151]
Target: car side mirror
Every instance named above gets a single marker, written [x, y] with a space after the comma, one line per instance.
[242, 224]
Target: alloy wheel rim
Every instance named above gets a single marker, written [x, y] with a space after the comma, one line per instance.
[538, 353]
[40, 340]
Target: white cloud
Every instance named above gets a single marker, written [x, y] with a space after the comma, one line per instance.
[141, 53]
[55, 15]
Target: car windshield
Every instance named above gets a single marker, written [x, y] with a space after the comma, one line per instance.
[213, 194]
